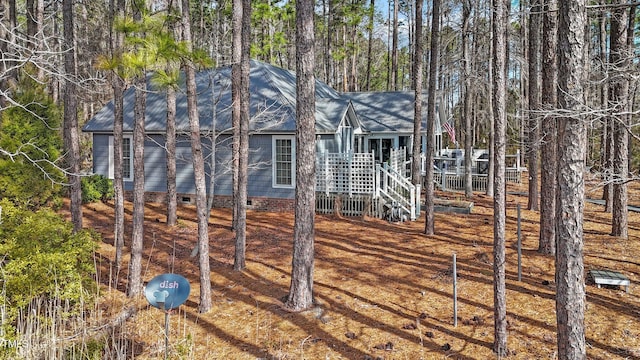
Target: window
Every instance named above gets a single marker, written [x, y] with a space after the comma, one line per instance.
[127, 157]
[381, 149]
[284, 161]
[346, 138]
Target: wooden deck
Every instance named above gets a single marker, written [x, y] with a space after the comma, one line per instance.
[355, 184]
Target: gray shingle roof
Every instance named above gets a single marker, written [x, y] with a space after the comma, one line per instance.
[390, 111]
[272, 103]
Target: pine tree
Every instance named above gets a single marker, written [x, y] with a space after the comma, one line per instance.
[500, 22]
[198, 164]
[572, 145]
[547, 242]
[300, 295]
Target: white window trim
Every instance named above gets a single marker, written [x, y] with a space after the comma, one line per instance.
[111, 159]
[274, 139]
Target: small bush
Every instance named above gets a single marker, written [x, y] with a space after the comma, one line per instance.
[96, 188]
[32, 175]
[42, 258]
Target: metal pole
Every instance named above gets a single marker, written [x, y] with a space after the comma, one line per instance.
[455, 293]
[519, 247]
[166, 334]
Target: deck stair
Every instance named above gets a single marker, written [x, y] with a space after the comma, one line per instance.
[397, 191]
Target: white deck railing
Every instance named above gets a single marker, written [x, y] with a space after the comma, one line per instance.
[357, 185]
[449, 171]
[361, 184]
[398, 191]
[345, 173]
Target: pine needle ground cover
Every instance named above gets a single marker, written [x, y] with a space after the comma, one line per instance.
[383, 290]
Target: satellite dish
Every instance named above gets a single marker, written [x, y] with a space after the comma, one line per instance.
[167, 291]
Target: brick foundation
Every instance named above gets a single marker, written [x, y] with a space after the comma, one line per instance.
[222, 201]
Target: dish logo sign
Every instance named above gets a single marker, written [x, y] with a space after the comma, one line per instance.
[167, 291]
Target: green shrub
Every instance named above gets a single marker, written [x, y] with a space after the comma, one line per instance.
[41, 258]
[27, 186]
[30, 168]
[96, 188]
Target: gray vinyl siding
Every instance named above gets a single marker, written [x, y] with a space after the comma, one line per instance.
[185, 178]
[260, 177]
[260, 159]
[224, 176]
[259, 183]
[155, 165]
[101, 154]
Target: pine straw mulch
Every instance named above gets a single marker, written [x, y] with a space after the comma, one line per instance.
[384, 290]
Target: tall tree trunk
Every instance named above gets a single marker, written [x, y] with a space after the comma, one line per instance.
[220, 31]
[134, 283]
[631, 38]
[533, 126]
[300, 295]
[137, 236]
[372, 11]
[411, 42]
[4, 47]
[170, 145]
[329, 51]
[55, 83]
[170, 140]
[468, 138]
[521, 68]
[35, 23]
[117, 83]
[620, 58]
[417, 85]
[547, 243]
[71, 138]
[394, 49]
[243, 166]
[572, 145]
[491, 116]
[236, 88]
[7, 11]
[500, 22]
[353, 72]
[606, 139]
[213, 138]
[389, 32]
[608, 154]
[198, 167]
[434, 54]
[345, 78]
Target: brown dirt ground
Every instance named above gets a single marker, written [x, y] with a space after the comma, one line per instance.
[384, 290]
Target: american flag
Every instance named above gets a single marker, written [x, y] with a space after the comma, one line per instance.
[448, 126]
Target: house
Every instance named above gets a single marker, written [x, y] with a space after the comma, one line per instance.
[351, 123]
[387, 120]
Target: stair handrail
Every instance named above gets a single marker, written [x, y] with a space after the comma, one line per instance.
[409, 205]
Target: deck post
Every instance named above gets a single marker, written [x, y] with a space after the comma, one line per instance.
[376, 182]
[350, 172]
[385, 179]
[413, 204]
[418, 194]
[326, 172]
